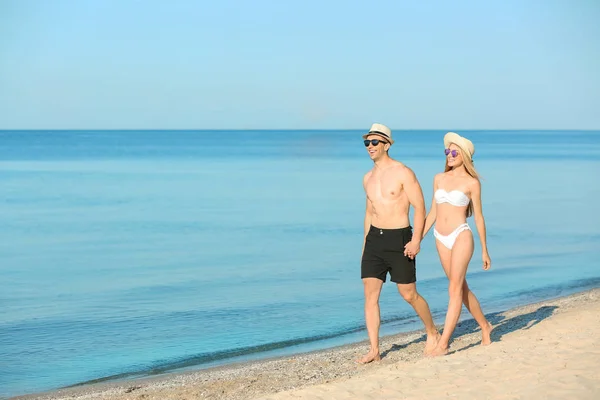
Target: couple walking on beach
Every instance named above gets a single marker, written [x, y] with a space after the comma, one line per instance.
[391, 245]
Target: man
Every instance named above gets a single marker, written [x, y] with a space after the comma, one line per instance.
[390, 245]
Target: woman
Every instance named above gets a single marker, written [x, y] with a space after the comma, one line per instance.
[457, 196]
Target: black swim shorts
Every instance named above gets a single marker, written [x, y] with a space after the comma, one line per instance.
[384, 252]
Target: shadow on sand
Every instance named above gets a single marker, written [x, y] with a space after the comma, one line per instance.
[502, 326]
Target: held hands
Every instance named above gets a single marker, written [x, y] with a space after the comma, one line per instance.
[412, 248]
[487, 262]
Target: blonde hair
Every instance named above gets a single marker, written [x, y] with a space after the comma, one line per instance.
[470, 168]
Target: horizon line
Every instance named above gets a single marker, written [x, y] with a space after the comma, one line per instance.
[286, 129]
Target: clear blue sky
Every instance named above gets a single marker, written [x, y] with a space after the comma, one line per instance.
[178, 64]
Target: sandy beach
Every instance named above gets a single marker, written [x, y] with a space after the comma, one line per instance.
[545, 350]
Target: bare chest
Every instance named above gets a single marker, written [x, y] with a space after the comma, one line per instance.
[383, 187]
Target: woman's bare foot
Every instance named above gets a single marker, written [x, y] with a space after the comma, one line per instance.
[432, 341]
[438, 351]
[369, 357]
[486, 333]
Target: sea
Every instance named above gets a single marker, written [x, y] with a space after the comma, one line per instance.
[134, 253]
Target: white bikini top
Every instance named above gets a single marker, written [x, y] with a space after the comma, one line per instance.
[454, 197]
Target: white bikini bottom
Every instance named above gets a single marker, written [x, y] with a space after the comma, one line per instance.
[449, 240]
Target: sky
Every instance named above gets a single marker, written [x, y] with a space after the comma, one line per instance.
[299, 64]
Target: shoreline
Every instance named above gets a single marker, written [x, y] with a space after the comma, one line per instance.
[249, 379]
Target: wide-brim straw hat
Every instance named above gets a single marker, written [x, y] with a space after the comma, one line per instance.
[465, 144]
[381, 130]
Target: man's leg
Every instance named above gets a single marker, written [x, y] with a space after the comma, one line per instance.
[372, 317]
[412, 297]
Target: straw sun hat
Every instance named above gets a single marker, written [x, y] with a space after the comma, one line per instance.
[461, 142]
[380, 130]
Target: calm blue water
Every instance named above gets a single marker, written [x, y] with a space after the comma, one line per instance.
[143, 252]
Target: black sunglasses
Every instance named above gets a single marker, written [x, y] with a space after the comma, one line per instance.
[374, 142]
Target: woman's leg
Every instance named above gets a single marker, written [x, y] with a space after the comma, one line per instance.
[472, 304]
[461, 254]
[469, 299]
[445, 256]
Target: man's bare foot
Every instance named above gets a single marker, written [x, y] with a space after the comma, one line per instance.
[369, 357]
[486, 333]
[432, 341]
[438, 351]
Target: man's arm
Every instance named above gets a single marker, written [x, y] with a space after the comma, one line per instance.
[430, 220]
[368, 212]
[415, 197]
[368, 215]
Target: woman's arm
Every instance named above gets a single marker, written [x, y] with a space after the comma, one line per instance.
[480, 223]
[433, 210]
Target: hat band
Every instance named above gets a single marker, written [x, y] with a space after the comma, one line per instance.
[379, 133]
